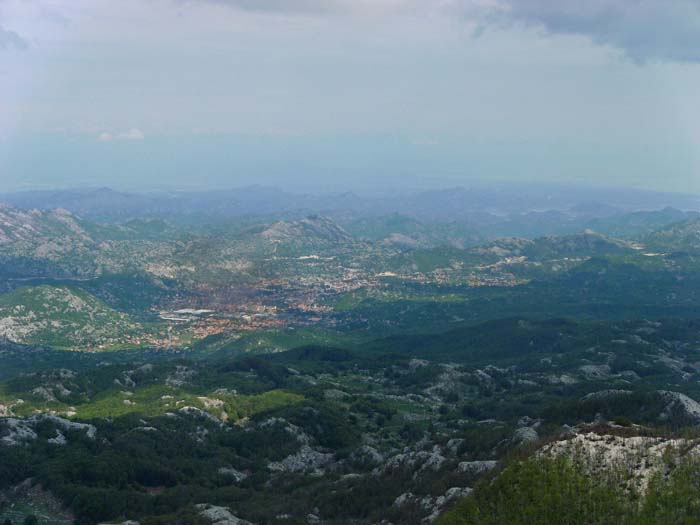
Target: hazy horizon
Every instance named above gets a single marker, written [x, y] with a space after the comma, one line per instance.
[385, 93]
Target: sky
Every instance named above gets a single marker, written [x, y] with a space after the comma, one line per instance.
[334, 94]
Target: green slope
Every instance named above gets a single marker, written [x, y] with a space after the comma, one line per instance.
[63, 316]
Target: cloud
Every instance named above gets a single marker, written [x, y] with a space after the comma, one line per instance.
[281, 6]
[11, 40]
[132, 134]
[646, 30]
[329, 6]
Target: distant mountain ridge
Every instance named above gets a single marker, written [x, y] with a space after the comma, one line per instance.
[311, 227]
[537, 208]
[679, 236]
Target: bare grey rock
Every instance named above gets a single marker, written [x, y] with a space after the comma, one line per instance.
[525, 435]
[60, 439]
[232, 473]
[605, 394]
[476, 467]
[199, 413]
[679, 404]
[367, 455]
[305, 460]
[595, 371]
[430, 505]
[219, 515]
[16, 431]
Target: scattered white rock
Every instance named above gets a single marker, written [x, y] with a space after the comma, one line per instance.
[232, 473]
[563, 379]
[416, 461]
[367, 455]
[16, 431]
[525, 435]
[642, 457]
[295, 431]
[60, 439]
[180, 376]
[45, 394]
[595, 371]
[476, 467]
[605, 394]
[209, 402]
[430, 505]
[219, 515]
[335, 394]
[679, 404]
[305, 460]
[198, 412]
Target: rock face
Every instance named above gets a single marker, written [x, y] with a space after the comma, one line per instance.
[60, 315]
[180, 376]
[674, 406]
[681, 405]
[432, 505]
[232, 473]
[595, 371]
[294, 431]
[313, 227]
[305, 460]
[219, 515]
[525, 435]
[367, 455]
[476, 467]
[16, 431]
[606, 394]
[199, 413]
[642, 457]
[416, 461]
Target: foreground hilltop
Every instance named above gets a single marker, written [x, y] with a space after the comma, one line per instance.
[604, 474]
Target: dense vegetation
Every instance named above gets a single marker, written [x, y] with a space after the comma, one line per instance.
[299, 371]
[560, 491]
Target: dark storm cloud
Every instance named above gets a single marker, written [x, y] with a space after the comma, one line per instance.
[644, 29]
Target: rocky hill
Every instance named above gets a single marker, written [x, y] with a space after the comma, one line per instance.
[308, 229]
[61, 316]
[681, 236]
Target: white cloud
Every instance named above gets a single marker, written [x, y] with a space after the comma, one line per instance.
[132, 134]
